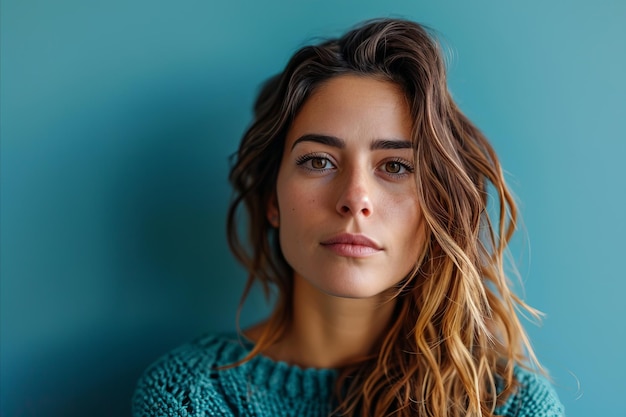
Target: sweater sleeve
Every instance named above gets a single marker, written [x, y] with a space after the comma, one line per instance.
[535, 397]
[180, 384]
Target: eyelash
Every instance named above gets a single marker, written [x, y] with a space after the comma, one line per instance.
[408, 167]
[304, 159]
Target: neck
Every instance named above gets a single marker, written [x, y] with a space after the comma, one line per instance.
[330, 332]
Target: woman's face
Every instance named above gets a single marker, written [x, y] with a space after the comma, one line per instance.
[346, 200]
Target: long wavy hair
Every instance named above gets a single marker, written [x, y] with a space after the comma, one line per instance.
[455, 336]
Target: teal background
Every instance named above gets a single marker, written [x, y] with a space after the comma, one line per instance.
[117, 119]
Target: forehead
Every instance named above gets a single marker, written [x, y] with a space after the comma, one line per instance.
[354, 107]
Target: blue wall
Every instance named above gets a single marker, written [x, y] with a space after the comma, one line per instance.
[117, 119]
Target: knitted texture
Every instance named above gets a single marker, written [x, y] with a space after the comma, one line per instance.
[185, 383]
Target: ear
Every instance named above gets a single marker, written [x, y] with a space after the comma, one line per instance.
[273, 215]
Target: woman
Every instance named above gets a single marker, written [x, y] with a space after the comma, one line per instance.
[366, 191]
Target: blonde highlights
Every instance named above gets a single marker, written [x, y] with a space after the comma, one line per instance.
[455, 337]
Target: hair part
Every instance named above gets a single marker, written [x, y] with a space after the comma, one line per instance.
[455, 335]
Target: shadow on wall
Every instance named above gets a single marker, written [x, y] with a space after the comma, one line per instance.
[168, 273]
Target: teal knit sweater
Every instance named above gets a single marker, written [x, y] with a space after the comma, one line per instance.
[184, 383]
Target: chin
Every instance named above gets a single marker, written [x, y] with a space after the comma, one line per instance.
[351, 289]
[349, 283]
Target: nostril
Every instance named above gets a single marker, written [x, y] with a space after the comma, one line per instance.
[345, 209]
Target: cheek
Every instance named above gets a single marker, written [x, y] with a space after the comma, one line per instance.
[408, 220]
[298, 199]
[297, 208]
[402, 209]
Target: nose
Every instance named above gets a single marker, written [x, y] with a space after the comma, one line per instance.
[355, 197]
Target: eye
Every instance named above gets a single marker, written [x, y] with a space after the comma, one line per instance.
[315, 162]
[393, 167]
[319, 163]
[397, 167]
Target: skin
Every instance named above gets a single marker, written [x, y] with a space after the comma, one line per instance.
[346, 174]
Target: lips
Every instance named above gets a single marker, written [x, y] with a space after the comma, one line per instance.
[352, 245]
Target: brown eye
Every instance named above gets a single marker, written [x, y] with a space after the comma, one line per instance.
[315, 162]
[393, 167]
[318, 163]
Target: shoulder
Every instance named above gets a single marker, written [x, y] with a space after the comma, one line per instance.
[184, 380]
[534, 397]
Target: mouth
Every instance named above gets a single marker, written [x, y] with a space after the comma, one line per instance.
[352, 245]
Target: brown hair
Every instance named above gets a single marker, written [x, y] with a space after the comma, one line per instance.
[455, 336]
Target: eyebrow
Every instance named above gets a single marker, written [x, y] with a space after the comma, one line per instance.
[339, 143]
[391, 144]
